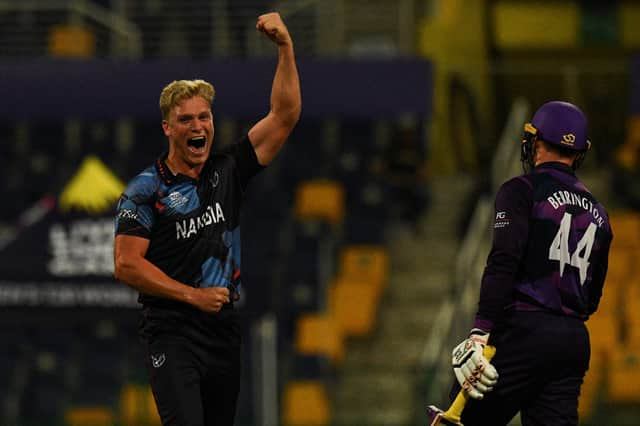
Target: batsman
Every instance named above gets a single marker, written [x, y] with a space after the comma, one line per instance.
[543, 278]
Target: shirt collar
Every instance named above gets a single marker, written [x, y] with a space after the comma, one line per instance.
[555, 165]
[166, 174]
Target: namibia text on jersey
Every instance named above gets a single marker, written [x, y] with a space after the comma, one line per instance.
[188, 227]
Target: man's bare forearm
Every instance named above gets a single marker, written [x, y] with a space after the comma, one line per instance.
[286, 102]
[147, 278]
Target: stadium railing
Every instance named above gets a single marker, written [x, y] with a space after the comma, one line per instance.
[455, 315]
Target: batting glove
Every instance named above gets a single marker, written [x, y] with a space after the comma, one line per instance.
[473, 371]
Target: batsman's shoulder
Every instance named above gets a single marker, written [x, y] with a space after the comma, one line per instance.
[519, 184]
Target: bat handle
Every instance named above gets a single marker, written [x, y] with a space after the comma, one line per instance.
[455, 410]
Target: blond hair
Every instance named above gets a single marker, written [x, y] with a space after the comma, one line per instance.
[179, 90]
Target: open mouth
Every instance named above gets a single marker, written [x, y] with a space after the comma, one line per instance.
[197, 144]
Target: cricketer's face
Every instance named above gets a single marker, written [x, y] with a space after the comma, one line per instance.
[190, 131]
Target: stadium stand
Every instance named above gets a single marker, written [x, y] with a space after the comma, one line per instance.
[320, 200]
[96, 416]
[71, 41]
[137, 406]
[306, 403]
[316, 251]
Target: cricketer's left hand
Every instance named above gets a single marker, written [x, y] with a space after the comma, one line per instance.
[473, 371]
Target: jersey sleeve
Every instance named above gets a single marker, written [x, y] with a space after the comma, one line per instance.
[513, 205]
[135, 213]
[246, 160]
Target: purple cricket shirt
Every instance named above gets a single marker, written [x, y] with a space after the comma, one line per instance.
[550, 249]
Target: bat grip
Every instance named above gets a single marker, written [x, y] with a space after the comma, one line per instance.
[455, 410]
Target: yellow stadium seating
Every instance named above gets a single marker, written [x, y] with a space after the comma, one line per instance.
[632, 310]
[509, 19]
[354, 305]
[623, 376]
[612, 298]
[626, 230]
[71, 41]
[137, 406]
[89, 416]
[633, 131]
[320, 200]
[622, 266]
[305, 403]
[604, 332]
[368, 263]
[628, 154]
[628, 18]
[319, 334]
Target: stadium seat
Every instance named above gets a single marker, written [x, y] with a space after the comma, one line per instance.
[306, 403]
[623, 376]
[137, 406]
[368, 263]
[631, 310]
[628, 154]
[89, 416]
[604, 332]
[354, 305]
[71, 41]
[320, 200]
[319, 334]
[621, 266]
[612, 298]
[626, 228]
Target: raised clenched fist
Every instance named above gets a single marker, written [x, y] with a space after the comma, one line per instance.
[272, 26]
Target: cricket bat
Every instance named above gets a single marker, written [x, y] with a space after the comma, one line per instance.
[451, 417]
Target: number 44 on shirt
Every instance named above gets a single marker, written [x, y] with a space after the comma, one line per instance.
[559, 249]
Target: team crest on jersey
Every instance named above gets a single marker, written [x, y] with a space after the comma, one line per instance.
[215, 179]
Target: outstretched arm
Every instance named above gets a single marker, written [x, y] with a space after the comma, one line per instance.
[269, 134]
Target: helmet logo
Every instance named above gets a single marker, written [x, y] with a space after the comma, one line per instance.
[568, 139]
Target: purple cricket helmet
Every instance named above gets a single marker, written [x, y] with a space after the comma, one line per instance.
[561, 123]
[558, 123]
